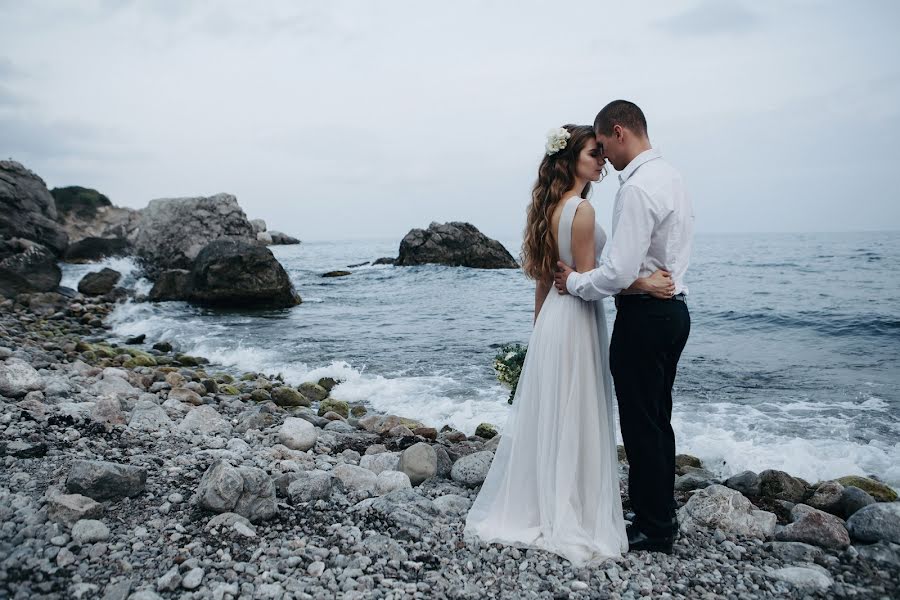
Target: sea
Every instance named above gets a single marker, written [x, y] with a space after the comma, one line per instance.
[793, 361]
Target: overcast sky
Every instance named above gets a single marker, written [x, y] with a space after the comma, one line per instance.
[363, 119]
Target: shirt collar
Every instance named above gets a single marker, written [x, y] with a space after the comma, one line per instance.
[637, 161]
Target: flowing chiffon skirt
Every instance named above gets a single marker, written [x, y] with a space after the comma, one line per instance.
[553, 483]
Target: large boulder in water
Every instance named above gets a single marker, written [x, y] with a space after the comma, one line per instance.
[240, 274]
[454, 244]
[282, 239]
[27, 267]
[27, 209]
[173, 231]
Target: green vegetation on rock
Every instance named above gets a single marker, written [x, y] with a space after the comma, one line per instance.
[313, 391]
[339, 406]
[486, 430]
[288, 396]
[880, 491]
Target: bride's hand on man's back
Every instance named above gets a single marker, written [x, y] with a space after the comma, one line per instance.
[659, 285]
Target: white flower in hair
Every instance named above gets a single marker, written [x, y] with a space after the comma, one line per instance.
[557, 140]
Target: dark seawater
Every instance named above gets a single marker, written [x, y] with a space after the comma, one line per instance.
[793, 361]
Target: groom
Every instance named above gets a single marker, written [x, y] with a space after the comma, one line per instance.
[652, 228]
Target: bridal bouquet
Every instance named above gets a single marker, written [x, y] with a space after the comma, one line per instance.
[508, 364]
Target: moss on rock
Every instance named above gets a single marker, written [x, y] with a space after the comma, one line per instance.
[331, 405]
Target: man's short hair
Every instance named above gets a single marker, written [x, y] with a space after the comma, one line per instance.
[620, 112]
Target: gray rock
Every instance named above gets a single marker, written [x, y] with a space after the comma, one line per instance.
[169, 581]
[310, 486]
[108, 409]
[279, 238]
[88, 531]
[412, 513]
[854, 499]
[17, 378]
[357, 479]
[226, 521]
[813, 526]
[99, 282]
[192, 579]
[827, 497]
[720, 507]
[878, 522]
[238, 274]
[388, 481]
[93, 249]
[382, 545]
[145, 595]
[342, 426]
[23, 449]
[118, 590]
[205, 420]
[794, 551]
[444, 462]
[147, 416]
[453, 504]
[455, 244]
[171, 284]
[885, 553]
[418, 462]
[692, 481]
[471, 469]
[173, 231]
[383, 461]
[781, 486]
[812, 578]
[246, 491]
[298, 434]
[27, 267]
[27, 210]
[102, 480]
[67, 509]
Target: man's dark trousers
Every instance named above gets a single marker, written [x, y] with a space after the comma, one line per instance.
[646, 344]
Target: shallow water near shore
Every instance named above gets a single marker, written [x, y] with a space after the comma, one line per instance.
[793, 361]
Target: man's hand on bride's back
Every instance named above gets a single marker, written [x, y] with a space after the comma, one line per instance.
[659, 285]
[562, 274]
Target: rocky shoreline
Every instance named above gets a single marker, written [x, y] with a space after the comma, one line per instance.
[136, 472]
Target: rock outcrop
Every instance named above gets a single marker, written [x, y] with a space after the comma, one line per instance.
[27, 267]
[454, 244]
[27, 210]
[282, 239]
[173, 231]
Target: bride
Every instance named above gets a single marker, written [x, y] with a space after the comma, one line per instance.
[553, 483]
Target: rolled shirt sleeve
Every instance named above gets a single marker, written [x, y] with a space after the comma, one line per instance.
[631, 234]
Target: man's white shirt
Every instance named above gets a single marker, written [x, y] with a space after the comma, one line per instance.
[652, 228]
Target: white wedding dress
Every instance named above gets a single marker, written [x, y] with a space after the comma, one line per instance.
[553, 483]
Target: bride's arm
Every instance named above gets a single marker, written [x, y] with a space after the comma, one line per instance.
[540, 294]
[584, 250]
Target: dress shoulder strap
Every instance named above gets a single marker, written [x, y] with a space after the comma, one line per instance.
[564, 234]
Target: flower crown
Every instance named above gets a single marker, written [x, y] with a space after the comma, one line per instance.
[556, 140]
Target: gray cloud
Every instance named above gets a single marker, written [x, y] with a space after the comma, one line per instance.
[713, 17]
[396, 114]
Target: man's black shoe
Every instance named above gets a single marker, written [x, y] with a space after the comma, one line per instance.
[639, 542]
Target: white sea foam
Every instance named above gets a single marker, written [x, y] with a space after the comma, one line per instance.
[730, 441]
[72, 273]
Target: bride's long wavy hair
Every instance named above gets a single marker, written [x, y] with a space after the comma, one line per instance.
[556, 176]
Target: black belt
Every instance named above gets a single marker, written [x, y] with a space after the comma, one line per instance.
[623, 299]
